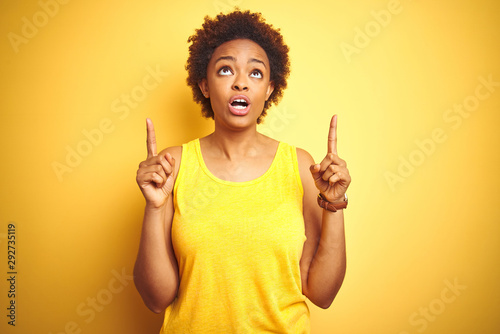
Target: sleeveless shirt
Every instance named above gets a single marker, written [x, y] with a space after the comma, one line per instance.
[238, 246]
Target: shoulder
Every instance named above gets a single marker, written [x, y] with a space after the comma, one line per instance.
[304, 158]
[305, 161]
[176, 153]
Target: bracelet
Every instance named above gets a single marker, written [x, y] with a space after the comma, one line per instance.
[333, 207]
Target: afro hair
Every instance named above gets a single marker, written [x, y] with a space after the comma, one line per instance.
[236, 25]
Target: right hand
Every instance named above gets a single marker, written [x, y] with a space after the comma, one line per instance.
[156, 174]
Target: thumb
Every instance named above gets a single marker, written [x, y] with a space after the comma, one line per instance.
[171, 161]
[315, 171]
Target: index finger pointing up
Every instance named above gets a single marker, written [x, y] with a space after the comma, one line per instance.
[151, 138]
[332, 136]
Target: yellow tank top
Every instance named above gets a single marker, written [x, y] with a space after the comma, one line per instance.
[238, 246]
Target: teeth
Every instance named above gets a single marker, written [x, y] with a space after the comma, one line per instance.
[239, 104]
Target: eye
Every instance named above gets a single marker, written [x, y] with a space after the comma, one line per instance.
[225, 71]
[256, 74]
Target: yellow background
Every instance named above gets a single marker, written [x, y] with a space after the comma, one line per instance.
[435, 226]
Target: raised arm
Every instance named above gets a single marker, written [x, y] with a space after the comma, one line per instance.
[156, 274]
[323, 261]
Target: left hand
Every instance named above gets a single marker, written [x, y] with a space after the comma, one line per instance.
[331, 175]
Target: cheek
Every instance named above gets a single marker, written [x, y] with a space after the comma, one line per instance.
[218, 87]
[266, 92]
[259, 105]
[218, 99]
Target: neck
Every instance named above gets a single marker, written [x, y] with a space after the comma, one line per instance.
[232, 144]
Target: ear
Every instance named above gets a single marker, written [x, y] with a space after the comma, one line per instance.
[203, 84]
[270, 89]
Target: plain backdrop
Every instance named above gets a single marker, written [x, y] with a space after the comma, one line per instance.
[416, 85]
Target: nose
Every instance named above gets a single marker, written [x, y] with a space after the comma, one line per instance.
[240, 83]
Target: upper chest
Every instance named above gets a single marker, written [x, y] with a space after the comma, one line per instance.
[240, 167]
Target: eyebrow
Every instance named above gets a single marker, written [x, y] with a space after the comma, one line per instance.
[231, 58]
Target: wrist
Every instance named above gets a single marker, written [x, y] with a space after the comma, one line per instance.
[332, 206]
[153, 208]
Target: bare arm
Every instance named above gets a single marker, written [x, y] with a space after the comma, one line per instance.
[323, 262]
[156, 273]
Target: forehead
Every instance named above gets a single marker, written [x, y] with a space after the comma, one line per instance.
[240, 49]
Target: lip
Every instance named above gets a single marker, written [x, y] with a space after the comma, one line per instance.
[236, 111]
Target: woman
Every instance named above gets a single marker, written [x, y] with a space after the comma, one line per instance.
[233, 238]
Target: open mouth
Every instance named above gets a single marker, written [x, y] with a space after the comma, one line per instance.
[239, 105]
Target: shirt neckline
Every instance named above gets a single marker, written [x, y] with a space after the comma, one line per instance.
[235, 183]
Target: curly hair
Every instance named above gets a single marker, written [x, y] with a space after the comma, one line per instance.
[236, 25]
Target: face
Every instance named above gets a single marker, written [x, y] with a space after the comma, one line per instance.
[238, 82]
